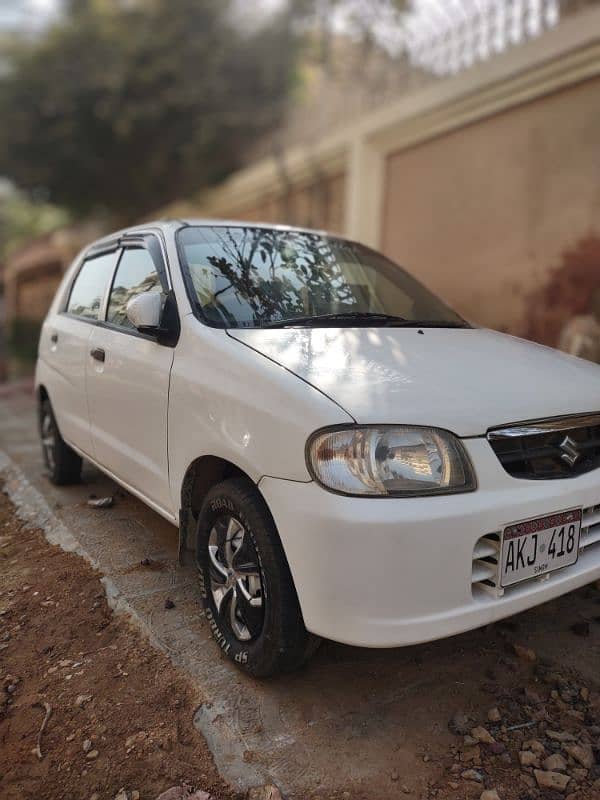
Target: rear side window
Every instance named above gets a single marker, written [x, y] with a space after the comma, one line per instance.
[90, 285]
[135, 274]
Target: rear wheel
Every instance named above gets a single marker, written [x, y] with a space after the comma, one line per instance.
[247, 589]
[62, 462]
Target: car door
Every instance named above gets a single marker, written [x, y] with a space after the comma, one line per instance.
[128, 380]
[64, 347]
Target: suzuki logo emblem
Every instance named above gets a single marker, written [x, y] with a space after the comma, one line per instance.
[570, 453]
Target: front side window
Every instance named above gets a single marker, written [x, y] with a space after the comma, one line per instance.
[135, 274]
[87, 292]
[246, 277]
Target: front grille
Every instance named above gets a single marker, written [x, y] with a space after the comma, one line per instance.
[559, 448]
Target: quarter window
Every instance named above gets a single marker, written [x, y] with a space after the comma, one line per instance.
[135, 274]
[87, 292]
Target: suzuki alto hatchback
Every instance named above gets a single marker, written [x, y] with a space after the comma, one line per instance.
[346, 456]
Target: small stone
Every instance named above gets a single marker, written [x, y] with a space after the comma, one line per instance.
[494, 715]
[481, 734]
[394, 776]
[169, 603]
[560, 736]
[92, 755]
[490, 794]
[101, 502]
[551, 780]
[267, 792]
[460, 723]
[525, 653]
[82, 699]
[555, 763]
[87, 745]
[472, 775]
[535, 746]
[453, 784]
[122, 794]
[471, 755]
[579, 774]
[584, 693]
[584, 755]
[135, 795]
[176, 793]
[469, 741]
[528, 759]
[95, 796]
[496, 748]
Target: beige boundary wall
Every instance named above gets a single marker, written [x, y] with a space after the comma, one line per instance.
[478, 183]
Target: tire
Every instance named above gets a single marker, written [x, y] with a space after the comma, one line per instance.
[62, 462]
[247, 589]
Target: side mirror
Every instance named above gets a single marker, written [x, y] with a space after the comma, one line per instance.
[144, 311]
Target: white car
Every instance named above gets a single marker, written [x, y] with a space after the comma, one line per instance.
[348, 457]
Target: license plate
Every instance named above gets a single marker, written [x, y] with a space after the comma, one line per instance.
[537, 546]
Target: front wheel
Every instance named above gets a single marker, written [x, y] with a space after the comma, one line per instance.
[247, 589]
[62, 462]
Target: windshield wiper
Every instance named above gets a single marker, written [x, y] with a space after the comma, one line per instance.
[435, 323]
[340, 316]
[366, 317]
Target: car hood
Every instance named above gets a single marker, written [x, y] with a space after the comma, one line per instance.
[464, 380]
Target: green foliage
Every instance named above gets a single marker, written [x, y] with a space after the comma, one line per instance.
[128, 106]
[22, 339]
[22, 219]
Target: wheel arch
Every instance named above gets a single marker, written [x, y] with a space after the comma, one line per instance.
[201, 475]
[42, 393]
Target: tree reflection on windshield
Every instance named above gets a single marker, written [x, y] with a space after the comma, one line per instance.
[252, 276]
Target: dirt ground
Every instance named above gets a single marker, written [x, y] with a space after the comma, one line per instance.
[109, 692]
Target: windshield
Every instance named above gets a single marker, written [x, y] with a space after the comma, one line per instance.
[247, 277]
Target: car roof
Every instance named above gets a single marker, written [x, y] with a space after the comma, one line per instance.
[172, 225]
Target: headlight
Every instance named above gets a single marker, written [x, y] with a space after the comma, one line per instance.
[390, 461]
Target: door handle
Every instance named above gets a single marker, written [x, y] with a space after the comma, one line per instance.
[54, 338]
[98, 353]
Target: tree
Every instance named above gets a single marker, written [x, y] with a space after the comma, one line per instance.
[22, 218]
[128, 106]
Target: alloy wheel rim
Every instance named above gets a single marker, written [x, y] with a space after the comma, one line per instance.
[235, 578]
[48, 440]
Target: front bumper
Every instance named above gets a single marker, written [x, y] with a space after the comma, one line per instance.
[384, 572]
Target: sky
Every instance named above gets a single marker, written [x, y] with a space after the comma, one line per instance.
[15, 13]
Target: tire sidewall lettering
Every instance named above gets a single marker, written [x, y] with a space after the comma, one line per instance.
[240, 652]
